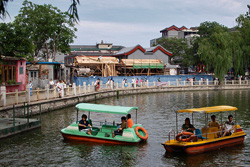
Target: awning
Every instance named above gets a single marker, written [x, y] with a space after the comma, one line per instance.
[104, 108]
[209, 109]
[149, 65]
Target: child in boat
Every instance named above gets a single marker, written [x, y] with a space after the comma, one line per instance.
[120, 130]
[84, 124]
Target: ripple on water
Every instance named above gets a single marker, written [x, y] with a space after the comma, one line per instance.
[46, 147]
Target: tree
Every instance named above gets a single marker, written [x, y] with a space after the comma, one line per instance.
[177, 46]
[241, 43]
[215, 49]
[72, 9]
[47, 27]
[13, 41]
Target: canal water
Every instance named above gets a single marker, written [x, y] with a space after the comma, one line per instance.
[46, 147]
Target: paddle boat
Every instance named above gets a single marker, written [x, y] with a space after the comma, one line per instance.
[102, 131]
[206, 139]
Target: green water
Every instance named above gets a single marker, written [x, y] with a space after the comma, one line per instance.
[46, 147]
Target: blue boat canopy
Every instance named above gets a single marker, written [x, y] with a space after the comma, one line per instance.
[104, 108]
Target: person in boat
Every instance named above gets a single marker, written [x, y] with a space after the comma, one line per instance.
[130, 122]
[120, 129]
[188, 127]
[213, 123]
[84, 124]
[228, 126]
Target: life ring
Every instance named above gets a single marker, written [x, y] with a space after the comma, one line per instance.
[185, 133]
[138, 134]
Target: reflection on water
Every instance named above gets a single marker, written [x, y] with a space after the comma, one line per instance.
[46, 147]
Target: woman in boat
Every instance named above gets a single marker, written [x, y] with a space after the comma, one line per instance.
[187, 127]
[84, 124]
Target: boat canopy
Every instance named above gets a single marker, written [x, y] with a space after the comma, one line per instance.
[104, 108]
[209, 109]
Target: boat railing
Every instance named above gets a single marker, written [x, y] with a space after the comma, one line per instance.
[203, 136]
[171, 133]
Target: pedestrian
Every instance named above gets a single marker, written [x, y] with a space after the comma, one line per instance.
[31, 86]
[137, 82]
[108, 83]
[97, 85]
[133, 82]
[59, 87]
[51, 84]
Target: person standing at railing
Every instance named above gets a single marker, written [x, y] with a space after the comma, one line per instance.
[59, 88]
[31, 86]
[51, 84]
[97, 85]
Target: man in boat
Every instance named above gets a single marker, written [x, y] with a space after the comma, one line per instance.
[229, 126]
[213, 123]
[130, 122]
[120, 130]
[84, 124]
[187, 127]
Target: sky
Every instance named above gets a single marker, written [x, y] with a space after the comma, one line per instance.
[132, 22]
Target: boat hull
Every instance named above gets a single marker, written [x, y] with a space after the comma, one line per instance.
[204, 147]
[96, 140]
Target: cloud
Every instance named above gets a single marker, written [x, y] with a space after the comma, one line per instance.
[126, 34]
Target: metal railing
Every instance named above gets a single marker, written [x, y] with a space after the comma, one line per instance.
[18, 97]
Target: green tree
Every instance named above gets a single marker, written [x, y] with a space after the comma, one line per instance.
[241, 43]
[177, 46]
[72, 9]
[47, 26]
[13, 41]
[215, 49]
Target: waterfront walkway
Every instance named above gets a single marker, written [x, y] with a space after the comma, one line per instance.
[47, 99]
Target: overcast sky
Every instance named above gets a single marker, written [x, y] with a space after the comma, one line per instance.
[132, 22]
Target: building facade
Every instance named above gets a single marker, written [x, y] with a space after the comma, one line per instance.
[177, 32]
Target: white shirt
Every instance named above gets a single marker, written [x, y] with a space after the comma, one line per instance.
[51, 82]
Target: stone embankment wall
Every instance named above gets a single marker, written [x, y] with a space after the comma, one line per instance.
[50, 105]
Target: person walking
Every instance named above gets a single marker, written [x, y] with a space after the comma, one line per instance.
[31, 86]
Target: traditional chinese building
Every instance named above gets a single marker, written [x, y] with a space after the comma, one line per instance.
[13, 73]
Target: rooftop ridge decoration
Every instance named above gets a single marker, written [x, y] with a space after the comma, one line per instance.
[173, 27]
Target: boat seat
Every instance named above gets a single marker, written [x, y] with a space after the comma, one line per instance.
[90, 121]
[199, 134]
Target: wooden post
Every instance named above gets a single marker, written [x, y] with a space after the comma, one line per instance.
[37, 93]
[54, 91]
[84, 87]
[62, 95]
[16, 96]
[88, 87]
[240, 80]
[47, 91]
[74, 88]
[3, 92]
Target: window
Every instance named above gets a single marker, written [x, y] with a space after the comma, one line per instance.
[20, 70]
[9, 71]
[31, 74]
